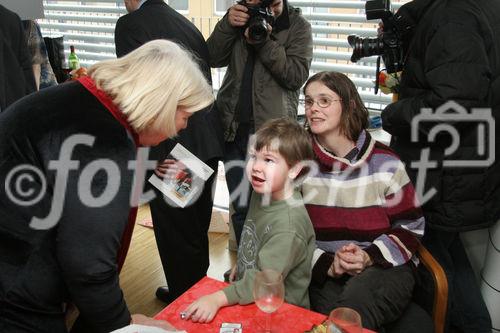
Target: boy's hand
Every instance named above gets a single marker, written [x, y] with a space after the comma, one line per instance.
[232, 276]
[204, 309]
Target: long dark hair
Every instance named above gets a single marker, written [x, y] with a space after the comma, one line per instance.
[354, 116]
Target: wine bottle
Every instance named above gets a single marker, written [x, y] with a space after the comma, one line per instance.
[73, 61]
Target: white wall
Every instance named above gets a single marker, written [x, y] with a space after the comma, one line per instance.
[482, 247]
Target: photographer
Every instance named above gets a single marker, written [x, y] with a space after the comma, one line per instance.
[265, 71]
[452, 55]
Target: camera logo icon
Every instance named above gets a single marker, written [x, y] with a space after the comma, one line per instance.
[449, 117]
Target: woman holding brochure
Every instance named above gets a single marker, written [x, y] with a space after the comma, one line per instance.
[72, 147]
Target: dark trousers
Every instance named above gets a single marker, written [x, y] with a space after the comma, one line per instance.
[235, 154]
[182, 237]
[18, 320]
[414, 319]
[379, 295]
[466, 308]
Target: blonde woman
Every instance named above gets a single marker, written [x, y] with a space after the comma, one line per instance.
[79, 142]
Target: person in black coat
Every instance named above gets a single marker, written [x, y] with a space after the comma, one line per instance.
[16, 73]
[65, 155]
[181, 233]
[452, 56]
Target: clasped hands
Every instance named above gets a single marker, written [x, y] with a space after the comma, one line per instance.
[238, 18]
[350, 259]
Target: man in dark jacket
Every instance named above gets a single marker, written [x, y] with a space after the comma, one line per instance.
[181, 233]
[16, 73]
[453, 68]
[262, 82]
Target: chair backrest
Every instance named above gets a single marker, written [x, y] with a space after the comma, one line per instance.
[441, 288]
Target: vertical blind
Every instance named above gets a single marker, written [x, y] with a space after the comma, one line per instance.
[89, 26]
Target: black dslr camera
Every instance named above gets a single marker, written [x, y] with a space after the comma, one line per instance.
[260, 16]
[389, 44]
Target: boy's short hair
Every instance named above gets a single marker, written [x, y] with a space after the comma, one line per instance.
[286, 137]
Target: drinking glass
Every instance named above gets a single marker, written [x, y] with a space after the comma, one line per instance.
[268, 293]
[344, 320]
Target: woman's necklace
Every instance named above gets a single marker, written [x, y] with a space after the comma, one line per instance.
[353, 145]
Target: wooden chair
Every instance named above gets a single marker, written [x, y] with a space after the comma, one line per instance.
[441, 288]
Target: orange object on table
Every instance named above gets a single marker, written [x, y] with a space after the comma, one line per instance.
[288, 319]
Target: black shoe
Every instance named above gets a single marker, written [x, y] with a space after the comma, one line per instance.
[226, 275]
[163, 294]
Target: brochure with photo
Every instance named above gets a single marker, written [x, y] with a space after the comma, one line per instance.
[184, 178]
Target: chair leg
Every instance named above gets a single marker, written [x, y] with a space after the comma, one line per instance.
[441, 282]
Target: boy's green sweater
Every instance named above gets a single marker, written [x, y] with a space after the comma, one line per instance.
[276, 236]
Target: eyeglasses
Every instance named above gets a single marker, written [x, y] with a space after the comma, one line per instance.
[323, 102]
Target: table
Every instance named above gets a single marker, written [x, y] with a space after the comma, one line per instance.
[291, 318]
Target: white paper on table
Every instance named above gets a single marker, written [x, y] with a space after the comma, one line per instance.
[188, 184]
[134, 328]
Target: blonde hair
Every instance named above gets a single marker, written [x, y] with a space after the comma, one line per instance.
[151, 82]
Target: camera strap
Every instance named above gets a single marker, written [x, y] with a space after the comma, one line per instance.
[244, 107]
[377, 75]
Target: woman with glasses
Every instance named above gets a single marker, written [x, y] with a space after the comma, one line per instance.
[363, 208]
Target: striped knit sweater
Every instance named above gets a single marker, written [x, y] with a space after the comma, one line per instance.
[368, 200]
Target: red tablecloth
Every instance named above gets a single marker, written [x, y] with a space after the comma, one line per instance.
[288, 319]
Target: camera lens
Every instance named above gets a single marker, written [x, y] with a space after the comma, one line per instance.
[365, 47]
[257, 29]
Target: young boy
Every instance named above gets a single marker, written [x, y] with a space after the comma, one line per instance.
[277, 233]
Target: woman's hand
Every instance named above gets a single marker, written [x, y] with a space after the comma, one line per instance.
[352, 259]
[336, 269]
[169, 168]
[141, 319]
[204, 309]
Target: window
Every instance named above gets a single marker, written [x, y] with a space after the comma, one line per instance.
[88, 25]
[221, 6]
[182, 5]
[332, 22]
